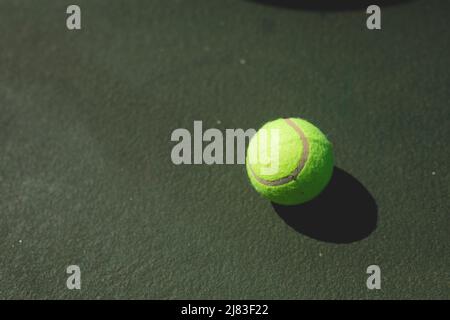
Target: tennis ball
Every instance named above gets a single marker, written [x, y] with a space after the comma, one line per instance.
[289, 161]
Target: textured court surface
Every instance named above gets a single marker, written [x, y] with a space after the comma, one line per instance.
[85, 170]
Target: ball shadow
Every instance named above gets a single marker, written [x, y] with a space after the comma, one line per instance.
[327, 5]
[344, 212]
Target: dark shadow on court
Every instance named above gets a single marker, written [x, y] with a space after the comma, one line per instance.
[328, 5]
[344, 212]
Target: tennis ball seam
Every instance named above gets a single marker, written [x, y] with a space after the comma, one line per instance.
[301, 163]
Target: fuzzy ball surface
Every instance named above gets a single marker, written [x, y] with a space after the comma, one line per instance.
[289, 161]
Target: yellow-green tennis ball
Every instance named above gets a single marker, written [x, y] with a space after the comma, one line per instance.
[289, 161]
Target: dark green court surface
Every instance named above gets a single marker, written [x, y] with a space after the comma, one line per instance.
[86, 176]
